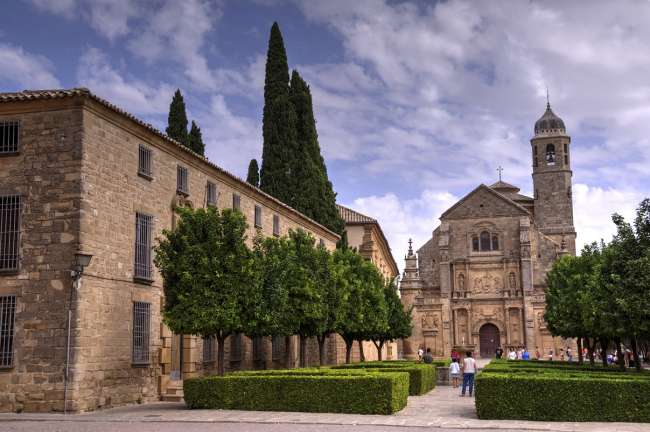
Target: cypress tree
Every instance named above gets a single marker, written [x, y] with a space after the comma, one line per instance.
[195, 140]
[177, 120]
[253, 176]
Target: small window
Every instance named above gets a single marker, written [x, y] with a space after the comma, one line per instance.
[143, 234]
[236, 202]
[485, 241]
[9, 232]
[141, 326]
[145, 162]
[7, 328]
[212, 194]
[566, 154]
[535, 156]
[235, 347]
[495, 242]
[258, 216]
[321, 243]
[209, 345]
[475, 247]
[182, 186]
[9, 137]
[550, 154]
[276, 225]
[279, 347]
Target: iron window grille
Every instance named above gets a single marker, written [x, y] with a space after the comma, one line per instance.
[143, 234]
[209, 348]
[182, 186]
[235, 347]
[9, 233]
[236, 202]
[145, 162]
[258, 216]
[278, 347]
[9, 137]
[141, 332]
[212, 194]
[276, 225]
[7, 328]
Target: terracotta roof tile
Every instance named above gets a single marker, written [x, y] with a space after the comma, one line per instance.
[351, 216]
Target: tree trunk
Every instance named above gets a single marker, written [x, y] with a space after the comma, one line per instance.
[580, 359]
[379, 349]
[303, 351]
[221, 354]
[635, 352]
[321, 349]
[591, 345]
[362, 357]
[620, 356]
[604, 344]
[348, 350]
[288, 353]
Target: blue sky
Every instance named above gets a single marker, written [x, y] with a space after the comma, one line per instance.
[416, 102]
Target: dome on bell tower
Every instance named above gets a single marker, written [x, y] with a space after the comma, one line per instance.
[549, 123]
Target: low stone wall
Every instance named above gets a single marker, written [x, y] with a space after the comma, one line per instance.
[443, 375]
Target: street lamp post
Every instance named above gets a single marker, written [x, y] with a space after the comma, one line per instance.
[81, 260]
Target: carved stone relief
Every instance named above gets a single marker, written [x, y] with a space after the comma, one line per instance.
[487, 284]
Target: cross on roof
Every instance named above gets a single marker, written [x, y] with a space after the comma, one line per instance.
[500, 169]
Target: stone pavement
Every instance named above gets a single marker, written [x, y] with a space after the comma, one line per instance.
[441, 408]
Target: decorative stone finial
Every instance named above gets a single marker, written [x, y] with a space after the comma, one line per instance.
[410, 247]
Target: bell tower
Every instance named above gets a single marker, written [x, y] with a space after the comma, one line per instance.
[551, 150]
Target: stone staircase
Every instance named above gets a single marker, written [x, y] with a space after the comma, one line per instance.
[174, 392]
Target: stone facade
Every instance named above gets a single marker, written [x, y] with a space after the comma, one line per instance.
[479, 282]
[77, 173]
[366, 236]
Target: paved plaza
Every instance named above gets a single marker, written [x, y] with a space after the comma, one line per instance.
[442, 409]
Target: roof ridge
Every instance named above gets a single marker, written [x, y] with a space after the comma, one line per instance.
[343, 209]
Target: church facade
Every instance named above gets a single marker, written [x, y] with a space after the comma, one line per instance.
[479, 281]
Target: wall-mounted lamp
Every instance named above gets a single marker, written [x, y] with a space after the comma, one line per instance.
[81, 261]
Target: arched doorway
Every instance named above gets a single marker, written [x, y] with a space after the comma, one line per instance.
[489, 340]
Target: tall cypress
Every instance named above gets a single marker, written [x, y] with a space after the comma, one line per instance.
[278, 123]
[253, 176]
[195, 140]
[177, 120]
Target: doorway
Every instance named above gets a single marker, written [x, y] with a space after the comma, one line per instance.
[489, 340]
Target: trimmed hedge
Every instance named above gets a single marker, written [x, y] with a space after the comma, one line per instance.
[357, 393]
[561, 392]
[422, 377]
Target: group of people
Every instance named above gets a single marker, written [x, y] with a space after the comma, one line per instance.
[467, 369]
[522, 353]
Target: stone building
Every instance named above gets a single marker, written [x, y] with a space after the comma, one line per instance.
[366, 236]
[479, 281]
[79, 174]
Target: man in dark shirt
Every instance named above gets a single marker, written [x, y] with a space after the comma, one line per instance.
[428, 357]
[499, 353]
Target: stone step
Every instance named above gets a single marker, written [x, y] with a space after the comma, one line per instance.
[172, 398]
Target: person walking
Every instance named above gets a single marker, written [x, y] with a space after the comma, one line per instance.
[428, 357]
[512, 355]
[454, 370]
[498, 353]
[469, 369]
[420, 354]
[525, 355]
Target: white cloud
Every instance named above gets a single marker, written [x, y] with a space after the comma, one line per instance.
[96, 72]
[26, 70]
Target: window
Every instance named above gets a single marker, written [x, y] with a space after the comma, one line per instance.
[535, 156]
[141, 318]
[9, 136]
[182, 186]
[209, 345]
[550, 154]
[485, 242]
[276, 225]
[212, 194]
[321, 243]
[258, 216]
[236, 202]
[235, 347]
[495, 242]
[475, 247]
[566, 154]
[7, 319]
[145, 162]
[279, 347]
[9, 232]
[143, 228]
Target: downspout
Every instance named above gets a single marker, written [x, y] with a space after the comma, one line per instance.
[75, 285]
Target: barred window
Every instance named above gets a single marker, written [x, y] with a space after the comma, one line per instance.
[278, 347]
[321, 243]
[7, 319]
[145, 162]
[143, 234]
[212, 194]
[276, 225]
[9, 232]
[9, 136]
[235, 347]
[258, 216]
[141, 336]
[209, 348]
[182, 186]
[236, 202]
[566, 155]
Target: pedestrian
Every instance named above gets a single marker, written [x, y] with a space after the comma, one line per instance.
[520, 354]
[538, 355]
[512, 355]
[498, 353]
[525, 355]
[428, 357]
[550, 355]
[420, 354]
[454, 355]
[469, 369]
[454, 370]
[569, 355]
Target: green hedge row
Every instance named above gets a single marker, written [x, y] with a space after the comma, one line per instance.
[422, 377]
[367, 393]
[561, 394]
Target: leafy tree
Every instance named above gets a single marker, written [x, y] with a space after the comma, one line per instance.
[253, 176]
[177, 120]
[333, 298]
[400, 321]
[195, 140]
[208, 274]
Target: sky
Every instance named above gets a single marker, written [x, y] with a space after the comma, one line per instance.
[416, 103]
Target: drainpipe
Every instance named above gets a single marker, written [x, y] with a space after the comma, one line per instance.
[75, 281]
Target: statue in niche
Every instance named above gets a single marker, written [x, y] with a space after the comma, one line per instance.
[540, 320]
[461, 282]
[512, 281]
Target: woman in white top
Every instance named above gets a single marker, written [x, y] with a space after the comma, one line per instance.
[454, 370]
[512, 355]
